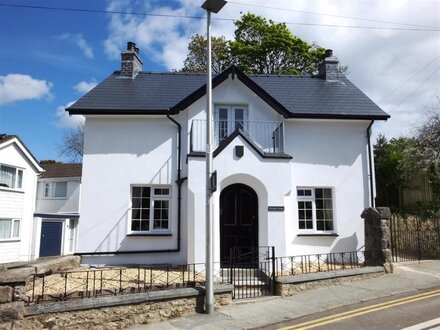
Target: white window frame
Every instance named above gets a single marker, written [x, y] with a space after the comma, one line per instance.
[17, 171]
[230, 118]
[11, 238]
[312, 198]
[153, 198]
[52, 188]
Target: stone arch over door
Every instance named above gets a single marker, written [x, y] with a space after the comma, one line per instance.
[238, 221]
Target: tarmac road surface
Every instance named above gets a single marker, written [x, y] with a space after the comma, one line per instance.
[412, 312]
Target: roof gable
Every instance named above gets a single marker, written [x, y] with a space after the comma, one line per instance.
[6, 140]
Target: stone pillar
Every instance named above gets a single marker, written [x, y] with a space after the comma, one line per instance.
[378, 237]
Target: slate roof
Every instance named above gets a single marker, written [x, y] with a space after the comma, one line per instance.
[61, 170]
[292, 96]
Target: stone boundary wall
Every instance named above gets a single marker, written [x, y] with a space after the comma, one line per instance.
[15, 277]
[290, 285]
[118, 312]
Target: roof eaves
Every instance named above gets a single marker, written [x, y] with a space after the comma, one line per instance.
[78, 111]
[26, 151]
[338, 116]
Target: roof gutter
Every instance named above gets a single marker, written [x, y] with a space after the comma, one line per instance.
[179, 183]
[370, 164]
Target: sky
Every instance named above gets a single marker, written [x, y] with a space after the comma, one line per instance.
[50, 58]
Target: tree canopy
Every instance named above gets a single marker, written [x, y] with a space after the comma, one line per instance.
[399, 160]
[259, 46]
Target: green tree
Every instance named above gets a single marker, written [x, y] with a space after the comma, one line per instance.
[265, 47]
[196, 59]
[259, 47]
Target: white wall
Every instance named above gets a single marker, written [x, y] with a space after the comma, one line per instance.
[119, 152]
[70, 204]
[329, 153]
[18, 204]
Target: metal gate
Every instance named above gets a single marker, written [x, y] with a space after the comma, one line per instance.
[413, 238]
[252, 271]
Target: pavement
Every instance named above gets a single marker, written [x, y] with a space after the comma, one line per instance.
[408, 277]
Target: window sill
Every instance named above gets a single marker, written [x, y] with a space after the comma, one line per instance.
[9, 240]
[151, 234]
[318, 235]
[21, 191]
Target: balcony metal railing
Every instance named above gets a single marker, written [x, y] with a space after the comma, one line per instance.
[267, 135]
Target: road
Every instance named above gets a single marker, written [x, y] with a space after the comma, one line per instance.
[413, 312]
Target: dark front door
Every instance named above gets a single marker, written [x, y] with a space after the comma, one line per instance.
[238, 224]
[51, 237]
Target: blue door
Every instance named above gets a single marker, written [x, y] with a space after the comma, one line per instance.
[51, 237]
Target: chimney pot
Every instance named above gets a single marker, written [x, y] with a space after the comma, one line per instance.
[328, 53]
[131, 45]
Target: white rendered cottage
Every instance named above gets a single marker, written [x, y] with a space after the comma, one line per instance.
[18, 182]
[292, 156]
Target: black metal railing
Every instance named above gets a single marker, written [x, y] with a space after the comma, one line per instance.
[413, 238]
[314, 263]
[92, 283]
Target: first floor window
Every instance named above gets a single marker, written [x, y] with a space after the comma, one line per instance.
[9, 228]
[56, 189]
[150, 208]
[11, 177]
[315, 209]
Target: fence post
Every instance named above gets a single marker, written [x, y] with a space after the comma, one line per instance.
[378, 237]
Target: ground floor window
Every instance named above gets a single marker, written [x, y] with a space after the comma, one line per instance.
[9, 229]
[315, 209]
[150, 208]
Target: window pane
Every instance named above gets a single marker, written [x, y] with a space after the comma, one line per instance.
[327, 193]
[135, 214]
[145, 192]
[320, 225]
[302, 225]
[5, 228]
[309, 214]
[329, 225]
[327, 203]
[136, 192]
[307, 192]
[146, 203]
[47, 190]
[145, 214]
[7, 176]
[20, 179]
[135, 225]
[318, 193]
[300, 192]
[136, 203]
[16, 229]
[145, 225]
[319, 214]
[60, 189]
[239, 117]
[319, 204]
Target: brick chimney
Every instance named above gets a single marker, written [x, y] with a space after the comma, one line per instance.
[328, 69]
[131, 63]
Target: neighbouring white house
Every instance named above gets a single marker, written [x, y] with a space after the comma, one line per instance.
[57, 210]
[18, 183]
[292, 156]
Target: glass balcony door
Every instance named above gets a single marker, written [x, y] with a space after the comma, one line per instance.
[228, 118]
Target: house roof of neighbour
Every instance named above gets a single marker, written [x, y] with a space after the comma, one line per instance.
[62, 170]
[292, 96]
[4, 138]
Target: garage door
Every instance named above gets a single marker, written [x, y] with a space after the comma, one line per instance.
[51, 237]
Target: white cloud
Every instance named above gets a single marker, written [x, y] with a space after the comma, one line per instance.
[79, 41]
[18, 87]
[65, 120]
[84, 86]
[379, 60]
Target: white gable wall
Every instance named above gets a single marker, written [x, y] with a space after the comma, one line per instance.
[70, 204]
[18, 204]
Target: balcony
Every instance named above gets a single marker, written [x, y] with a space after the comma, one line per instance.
[268, 136]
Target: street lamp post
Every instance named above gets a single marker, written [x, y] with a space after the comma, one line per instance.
[211, 6]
